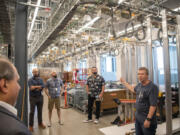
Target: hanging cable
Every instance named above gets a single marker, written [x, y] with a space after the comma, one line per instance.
[137, 34]
[159, 36]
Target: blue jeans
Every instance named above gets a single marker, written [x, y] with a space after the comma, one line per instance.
[140, 130]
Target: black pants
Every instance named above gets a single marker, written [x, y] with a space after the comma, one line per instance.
[90, 107]
[141, 130]
[35, 101]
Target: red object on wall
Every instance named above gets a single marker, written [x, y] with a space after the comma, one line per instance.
[80, 76]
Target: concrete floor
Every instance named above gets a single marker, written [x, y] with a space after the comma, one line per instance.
[73, 122]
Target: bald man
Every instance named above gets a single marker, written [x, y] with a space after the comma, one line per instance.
[9, 90]
[36, 86]
[53, 91]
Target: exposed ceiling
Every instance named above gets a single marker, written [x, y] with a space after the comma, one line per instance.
[89, 23]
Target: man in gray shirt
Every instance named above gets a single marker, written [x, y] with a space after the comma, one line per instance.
[146, 102]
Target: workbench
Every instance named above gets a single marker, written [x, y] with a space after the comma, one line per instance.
[110, 94]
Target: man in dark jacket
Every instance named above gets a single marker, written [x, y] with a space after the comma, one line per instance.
[9, 89]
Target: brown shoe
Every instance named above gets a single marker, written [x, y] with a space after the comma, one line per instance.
[31, 128]
[42, 126]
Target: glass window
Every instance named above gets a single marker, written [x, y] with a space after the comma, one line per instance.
[159, 63]
[109, 64]
[108, 67]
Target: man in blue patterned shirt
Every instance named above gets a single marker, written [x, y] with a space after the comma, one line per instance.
[95, 89]
[53, 91]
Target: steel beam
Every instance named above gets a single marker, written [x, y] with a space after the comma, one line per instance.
[21, 59]
[178, 53]
[149, 37]
[9, 51]
[167, 76]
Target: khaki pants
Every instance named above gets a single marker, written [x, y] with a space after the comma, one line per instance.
[53, 101]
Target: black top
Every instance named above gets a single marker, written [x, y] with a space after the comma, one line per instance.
[95, 85]
[10, 124]
[146, 96]
[35, 81]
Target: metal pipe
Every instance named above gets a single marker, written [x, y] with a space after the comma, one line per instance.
[167, 76]
[178, 53]
[150, 61]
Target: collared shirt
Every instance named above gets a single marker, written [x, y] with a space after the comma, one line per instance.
[95, 84]
[35, 81]
[54, 87]
[9, 107]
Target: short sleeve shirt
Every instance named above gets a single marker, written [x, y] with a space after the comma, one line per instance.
[35, 81]
[95, 85]
[146, 96]
[54, 87]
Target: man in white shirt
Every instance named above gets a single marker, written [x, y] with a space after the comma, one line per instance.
[9, 90]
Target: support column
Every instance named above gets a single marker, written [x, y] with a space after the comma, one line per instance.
[149, 37]
[178, 53]
[129, 63]
[9, 51]
[98, 64]
[123, 63]
[134, 65]
[21, 59]
[74, 62]
[60, 67]
[118, 67]
[138, 57]
[143, 56]
[167, 76]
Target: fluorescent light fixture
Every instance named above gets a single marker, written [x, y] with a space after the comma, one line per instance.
[89, 24]
[34, 18]
[120, 1]
[177, 9]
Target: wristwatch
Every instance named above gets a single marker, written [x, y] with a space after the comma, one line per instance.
[148, 119]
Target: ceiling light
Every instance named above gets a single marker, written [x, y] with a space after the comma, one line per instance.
[86, 18]
[89, 24]
[177, 9]
[34, 18]
[120, 1]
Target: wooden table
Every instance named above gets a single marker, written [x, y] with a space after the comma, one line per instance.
[109, 95]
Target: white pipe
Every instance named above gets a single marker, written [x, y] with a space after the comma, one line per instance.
[34, 18]
[129, 29]
[89, 24]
